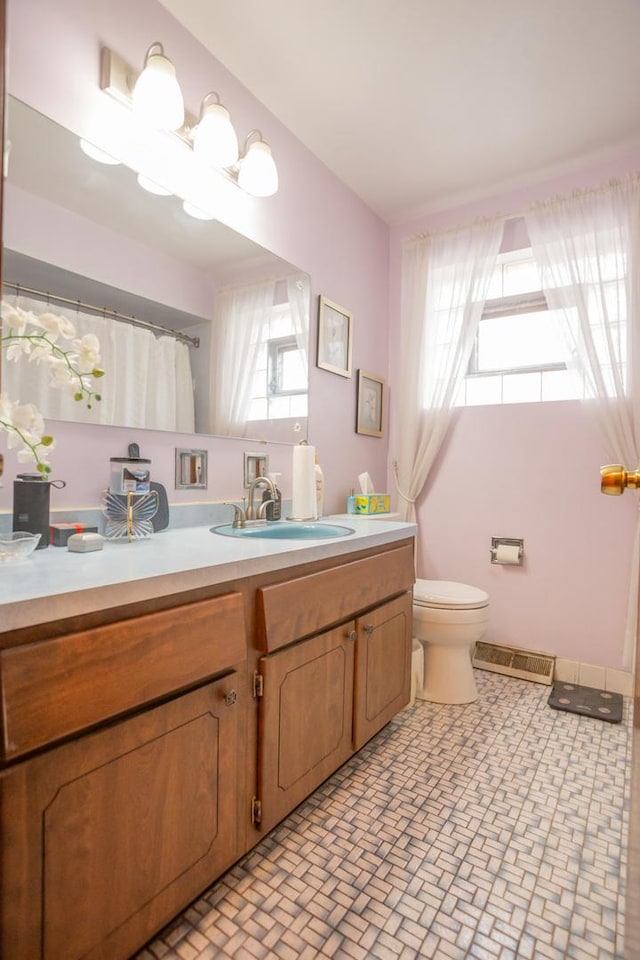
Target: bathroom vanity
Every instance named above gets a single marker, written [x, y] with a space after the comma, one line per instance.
[166, 703]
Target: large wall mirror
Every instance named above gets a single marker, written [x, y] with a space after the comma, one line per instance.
[83, 239]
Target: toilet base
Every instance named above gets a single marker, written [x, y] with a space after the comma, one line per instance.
[448, 674]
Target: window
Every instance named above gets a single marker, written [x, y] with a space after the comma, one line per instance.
[519, 354]
[280, 379]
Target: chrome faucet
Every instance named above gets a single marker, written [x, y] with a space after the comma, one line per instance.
[247, 514]
[259, 482]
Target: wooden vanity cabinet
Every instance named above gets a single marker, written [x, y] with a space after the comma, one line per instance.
[321, 697]
[136, 744]
[108, 833]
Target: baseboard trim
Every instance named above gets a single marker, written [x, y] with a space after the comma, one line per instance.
[589, 675]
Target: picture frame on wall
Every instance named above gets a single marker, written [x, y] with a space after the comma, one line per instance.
[370, 406]
[335, 338]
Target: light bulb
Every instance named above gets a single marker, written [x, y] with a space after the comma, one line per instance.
[258, 174]
[157, 97]
[151, 186]
[96, 153]
[214, 138]
[197, 212]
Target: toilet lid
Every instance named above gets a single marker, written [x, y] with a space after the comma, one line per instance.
[448, 595]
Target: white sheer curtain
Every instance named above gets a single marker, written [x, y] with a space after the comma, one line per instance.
[299, 293]
[444, 282]
[147, 380]
[238, 317]
[588, 249]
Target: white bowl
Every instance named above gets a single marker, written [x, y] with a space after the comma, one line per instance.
[17, 545]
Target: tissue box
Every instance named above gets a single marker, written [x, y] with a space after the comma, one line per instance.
[59, 533]
[369, 503]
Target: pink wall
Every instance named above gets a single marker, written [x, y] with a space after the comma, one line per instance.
[531, 471]
[528, 471]
[313, 222]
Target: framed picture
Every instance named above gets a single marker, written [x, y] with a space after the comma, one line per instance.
[369, 418]
[335, 333]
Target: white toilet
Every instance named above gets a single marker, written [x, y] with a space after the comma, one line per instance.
[448, 618]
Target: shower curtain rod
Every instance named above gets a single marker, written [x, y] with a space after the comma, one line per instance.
[79, 305]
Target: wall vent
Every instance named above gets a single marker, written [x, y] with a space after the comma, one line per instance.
[524, 664]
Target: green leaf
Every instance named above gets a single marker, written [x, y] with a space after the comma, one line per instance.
[97, 373]
[47, 440]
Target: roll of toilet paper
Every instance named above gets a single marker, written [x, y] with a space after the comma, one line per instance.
[303, 499]
[507, 553]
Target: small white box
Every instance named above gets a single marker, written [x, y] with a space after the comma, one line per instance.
[85, 542]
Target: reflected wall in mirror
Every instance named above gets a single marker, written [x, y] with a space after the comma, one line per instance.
[83, 240]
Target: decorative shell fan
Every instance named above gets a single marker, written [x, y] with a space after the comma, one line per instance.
[129, 515]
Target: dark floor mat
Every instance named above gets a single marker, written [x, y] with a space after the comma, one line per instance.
[588, 701]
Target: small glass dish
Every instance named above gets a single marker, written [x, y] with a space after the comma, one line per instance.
[17, 545]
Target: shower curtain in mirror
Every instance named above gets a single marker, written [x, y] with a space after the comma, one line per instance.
[588, 249]
[147, 382]
[444, 283]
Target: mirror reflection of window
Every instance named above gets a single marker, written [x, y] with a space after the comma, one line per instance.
[267, 325]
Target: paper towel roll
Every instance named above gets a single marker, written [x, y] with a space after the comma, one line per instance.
[303, 499]
[507, 553]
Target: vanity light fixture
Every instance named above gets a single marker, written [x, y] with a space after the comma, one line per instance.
[258, 174]
[152, 186]
[214, 137]
[198, 213]
[211, 137]
[156, 96]
[97, 154]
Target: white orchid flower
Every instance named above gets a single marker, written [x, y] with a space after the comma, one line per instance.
[71, 369]
[88, 348]
[6, 407]
[27, 417]
[40, 352]
[13, 318]
[17, 349]
[62, 378]
[57, 326]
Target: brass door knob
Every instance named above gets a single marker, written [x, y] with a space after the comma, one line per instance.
[614, 479]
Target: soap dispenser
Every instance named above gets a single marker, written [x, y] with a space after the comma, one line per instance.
[273, 510]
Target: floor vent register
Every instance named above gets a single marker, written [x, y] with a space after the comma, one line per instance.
[524, 664]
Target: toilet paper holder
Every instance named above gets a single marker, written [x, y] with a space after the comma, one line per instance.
[507, 551]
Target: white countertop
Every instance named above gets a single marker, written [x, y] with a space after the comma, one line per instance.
[54, 582]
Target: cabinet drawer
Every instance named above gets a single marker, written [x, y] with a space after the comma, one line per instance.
[297, 608]
[59, 687]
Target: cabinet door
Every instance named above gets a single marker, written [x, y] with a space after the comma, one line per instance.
[107, 838]
[305, 719]
[383, 667]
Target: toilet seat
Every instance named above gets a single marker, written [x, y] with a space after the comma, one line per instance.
[448, 595]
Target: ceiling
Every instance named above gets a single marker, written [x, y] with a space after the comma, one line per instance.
[418, 105]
